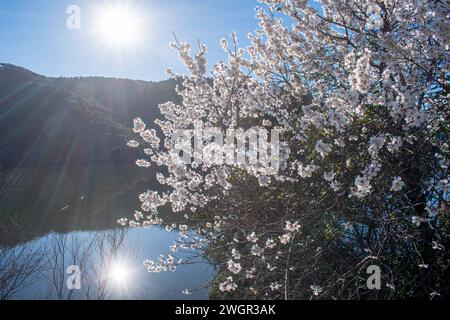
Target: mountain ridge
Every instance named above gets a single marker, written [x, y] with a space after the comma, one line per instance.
[72, 121]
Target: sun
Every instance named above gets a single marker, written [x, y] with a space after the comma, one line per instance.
[119, 273]
[119, 26]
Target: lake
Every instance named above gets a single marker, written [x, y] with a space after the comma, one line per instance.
[55, 217]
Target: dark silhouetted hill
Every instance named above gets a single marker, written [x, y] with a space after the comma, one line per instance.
[72, 121]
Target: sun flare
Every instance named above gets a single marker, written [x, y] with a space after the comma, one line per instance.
[119, 273]
[119, 26]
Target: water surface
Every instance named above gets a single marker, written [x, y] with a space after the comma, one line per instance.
[61, 216]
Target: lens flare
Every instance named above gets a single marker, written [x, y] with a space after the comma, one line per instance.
[119, 26]
[119, 273]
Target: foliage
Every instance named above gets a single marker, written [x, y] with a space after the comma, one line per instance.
[360, 92]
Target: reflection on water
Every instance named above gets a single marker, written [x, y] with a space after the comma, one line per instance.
[57, 217]
[65, 199]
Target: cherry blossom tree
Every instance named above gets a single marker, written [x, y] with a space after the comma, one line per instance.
[359, 91]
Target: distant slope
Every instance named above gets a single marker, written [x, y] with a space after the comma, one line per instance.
[71, 121]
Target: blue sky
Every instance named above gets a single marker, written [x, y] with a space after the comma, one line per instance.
[33, 34]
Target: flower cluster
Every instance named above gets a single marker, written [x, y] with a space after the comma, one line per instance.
[358, 90]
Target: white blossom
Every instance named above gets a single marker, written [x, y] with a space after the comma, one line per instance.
[234, 267]
[133, 144]
[323, 148]
[306, 171]
[249, 274]
[270, 243]
[292, 226]
[228, 285]
[139, 125]
[416, 220]
[143, 163]
[252, 237]
[285, 238]
[275, 286]
[256, 250]
[443, 185]
[316, 289]
[235, 254]
[397, 184]
[329, 176]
